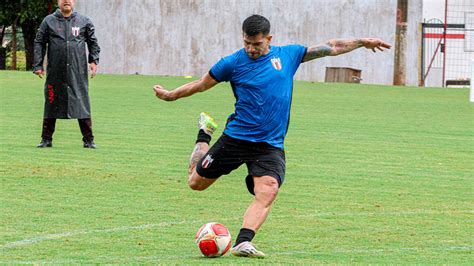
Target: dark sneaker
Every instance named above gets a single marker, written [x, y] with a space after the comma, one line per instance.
[45, 144]
[90, 144]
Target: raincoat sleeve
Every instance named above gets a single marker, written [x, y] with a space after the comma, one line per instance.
[42, 38]
[92, 43]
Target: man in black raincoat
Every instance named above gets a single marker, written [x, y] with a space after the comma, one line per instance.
[65, 34]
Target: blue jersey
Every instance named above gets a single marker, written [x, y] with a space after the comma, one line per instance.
[263, 90]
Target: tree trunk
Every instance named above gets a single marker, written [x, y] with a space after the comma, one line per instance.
[400, 65]
[14, 44]
[29, 33]
[3, 51]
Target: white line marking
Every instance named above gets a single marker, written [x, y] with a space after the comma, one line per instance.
[34, 240]
[161, 258]
[84, 232]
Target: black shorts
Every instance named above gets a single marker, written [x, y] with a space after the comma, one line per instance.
[228, 154]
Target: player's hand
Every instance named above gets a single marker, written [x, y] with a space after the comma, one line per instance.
[39, 73]
[93, 67]
[161, 93]
[375, 43]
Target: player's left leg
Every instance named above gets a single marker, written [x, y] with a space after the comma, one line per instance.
[266, 175]
[85, 124]
[266, 190]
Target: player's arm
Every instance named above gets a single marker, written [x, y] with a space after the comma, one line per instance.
[337, 47]
[41, 39]
[92, 47]
[188, 89]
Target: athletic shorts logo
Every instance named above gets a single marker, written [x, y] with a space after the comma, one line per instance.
[276, 63]
[207, 161]
[75, 31]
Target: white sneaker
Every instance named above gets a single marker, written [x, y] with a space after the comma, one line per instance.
[207, 123]
[247, 249]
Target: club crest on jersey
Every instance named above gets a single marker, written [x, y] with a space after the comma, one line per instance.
[207, 161]
[75, 31]
[276, 63]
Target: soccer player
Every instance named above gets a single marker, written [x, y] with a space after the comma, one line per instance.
[261, 77]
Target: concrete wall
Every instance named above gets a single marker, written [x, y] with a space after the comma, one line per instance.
[186, 37]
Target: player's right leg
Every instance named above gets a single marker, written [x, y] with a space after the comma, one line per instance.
[206, 126]
[197, 182]
[49, 124]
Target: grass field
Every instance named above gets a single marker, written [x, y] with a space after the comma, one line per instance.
[375, 175]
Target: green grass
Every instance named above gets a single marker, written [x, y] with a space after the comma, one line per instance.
[375, 175]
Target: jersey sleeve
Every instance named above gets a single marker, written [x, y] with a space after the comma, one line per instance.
[296, 52]
[223, 69]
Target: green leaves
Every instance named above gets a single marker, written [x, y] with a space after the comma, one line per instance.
[25, 10]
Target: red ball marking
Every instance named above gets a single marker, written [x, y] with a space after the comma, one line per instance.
[208, 248]
[220, 230]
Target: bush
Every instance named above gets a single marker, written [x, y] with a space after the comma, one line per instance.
[20, 60]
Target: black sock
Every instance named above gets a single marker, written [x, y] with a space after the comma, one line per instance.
[244, 235]
[203, 137]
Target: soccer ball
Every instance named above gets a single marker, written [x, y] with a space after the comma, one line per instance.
[213, 239]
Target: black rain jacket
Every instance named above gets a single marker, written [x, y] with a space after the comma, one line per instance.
[66, 87]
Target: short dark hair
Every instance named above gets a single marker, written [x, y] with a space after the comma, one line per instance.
[256, 24]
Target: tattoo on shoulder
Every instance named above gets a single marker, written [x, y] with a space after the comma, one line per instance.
[317, 51]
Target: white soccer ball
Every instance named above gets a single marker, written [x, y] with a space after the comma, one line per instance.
[213, 239]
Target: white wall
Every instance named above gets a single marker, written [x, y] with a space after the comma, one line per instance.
[433, 9]
[186, 37]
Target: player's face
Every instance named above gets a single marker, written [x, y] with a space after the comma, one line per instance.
[256, 46]
[66, 5]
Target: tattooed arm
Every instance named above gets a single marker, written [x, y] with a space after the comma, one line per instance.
[336, 47]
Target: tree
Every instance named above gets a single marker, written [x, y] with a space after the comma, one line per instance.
[8, 15]
[3, 53]
[29, 14]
